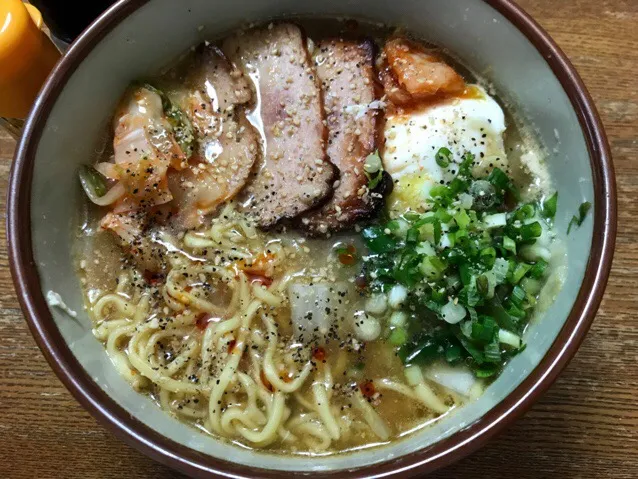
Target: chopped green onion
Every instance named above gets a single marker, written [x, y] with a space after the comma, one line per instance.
[483, 285]
[465, 273]
[412, 236]
[509, 338]
[469, 270]
[398, 318]
[398, 337]
[524, 212]
[531, 231]
[583, 209]
[461, 236]
[453, 353]
[429, 229]
[443, 216]
[538, 270]
[373, 163]
[397, 296]
[520, 270]
[484, 329]
[453, 312]
[374, 179]
[518, 296]
[488, 256]
[502, 182]
[531, 286]
[471, 348]
[432, 267]
[439, 191]
[439, 295]
[498, 179]
[495, 221]
[378, 241]
[443, 157]
[509, 244]
[492, 352]
[462, 219]
[535, 252]
[550, 205]
[515, 311]
[466, 201]
[485, 371]
[500, 269]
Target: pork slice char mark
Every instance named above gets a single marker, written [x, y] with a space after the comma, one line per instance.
[227, 144]
[347, 75]
[295, 173]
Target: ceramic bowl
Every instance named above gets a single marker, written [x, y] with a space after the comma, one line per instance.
[494, 38]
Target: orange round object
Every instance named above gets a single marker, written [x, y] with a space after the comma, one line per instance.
[27, 56]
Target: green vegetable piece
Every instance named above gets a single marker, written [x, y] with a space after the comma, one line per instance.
[373, 163]
[474, 351]
[486, 371]
[432, 268]
[462, 219]
[474, 262]
[492, 352]
[518, 296]
[484, 329]
[496, 310]
[439, 295]
[182, 127]
[429, 229]
[443, 216]
[377, 241]
[373, 169]
[525, 212]
[93, 182]
[453, 353]
[538, 270]
[439, 191]
[531, 286]
[520, 270]
[583, 209]
[443, 157]
[483, 285]
[509, 244]
[425, 350]
[502, 182]
[398, 337]
[550, 205]
[374, 179]
[531, 231]
[515, 311]
[488, 256]
[466, 164]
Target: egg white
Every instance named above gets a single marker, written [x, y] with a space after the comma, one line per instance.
[473, 123]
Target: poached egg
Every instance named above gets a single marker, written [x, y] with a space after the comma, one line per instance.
[471, 123]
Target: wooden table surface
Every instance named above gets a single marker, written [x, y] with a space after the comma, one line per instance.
[586, 426]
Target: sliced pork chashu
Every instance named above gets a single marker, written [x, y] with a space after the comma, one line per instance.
[295, 173]
[227, 144]
[346, 72]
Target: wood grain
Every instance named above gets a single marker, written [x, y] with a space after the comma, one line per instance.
[586, 426]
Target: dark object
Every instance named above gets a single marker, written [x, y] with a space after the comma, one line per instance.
[67, 19]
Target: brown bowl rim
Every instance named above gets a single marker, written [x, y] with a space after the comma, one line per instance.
[197, 464]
